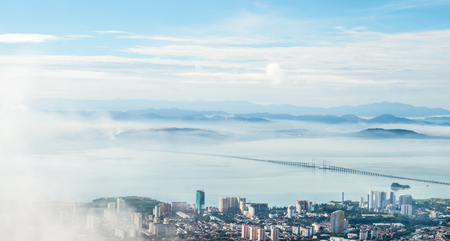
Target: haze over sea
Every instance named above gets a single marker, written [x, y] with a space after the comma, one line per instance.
[162, 98]
[140, 170]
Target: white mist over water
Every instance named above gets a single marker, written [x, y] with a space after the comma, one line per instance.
[46, 157]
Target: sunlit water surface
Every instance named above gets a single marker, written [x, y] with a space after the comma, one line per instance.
[141, 170]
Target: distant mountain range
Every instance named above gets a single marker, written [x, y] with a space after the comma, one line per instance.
[172, 135]
[220, 116]
[196, 135]
[236, 107]
[379, 133]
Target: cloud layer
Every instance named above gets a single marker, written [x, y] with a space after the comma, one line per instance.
[26, 38]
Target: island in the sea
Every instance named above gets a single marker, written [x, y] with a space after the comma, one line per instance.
[395, 185]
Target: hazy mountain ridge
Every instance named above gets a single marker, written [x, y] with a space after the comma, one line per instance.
[174, 114]
[236, 107]
[380, 133]
[173, 134]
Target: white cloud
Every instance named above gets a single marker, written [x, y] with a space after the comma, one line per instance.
[275, 74]
[79, 36]
[366, 65]
[26, 38]
[112, 31]
[420, 51]
[210, 40]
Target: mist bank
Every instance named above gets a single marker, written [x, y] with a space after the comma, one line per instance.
[235, 107]
[28, 131]
[175, 114]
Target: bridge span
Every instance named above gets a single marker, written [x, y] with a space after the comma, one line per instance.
[314, 166]
[349, 170]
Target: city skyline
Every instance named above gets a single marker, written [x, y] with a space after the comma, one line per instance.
[224, 120]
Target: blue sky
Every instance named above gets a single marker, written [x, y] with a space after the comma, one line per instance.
[308, 53]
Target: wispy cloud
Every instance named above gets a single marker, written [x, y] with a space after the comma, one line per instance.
[79, 36]
[112, 32]
[363, 64]
[26, 38]
[409, 4]
[210, 40]
[362, 50]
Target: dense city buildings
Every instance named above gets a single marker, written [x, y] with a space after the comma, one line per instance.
[377, 202]
[303, 206]
[232, 204]
[304, 221]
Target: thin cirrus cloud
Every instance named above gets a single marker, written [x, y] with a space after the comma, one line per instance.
[210, 40]
[111, 32]
[26, 38]
[423, 51]
[79, 36]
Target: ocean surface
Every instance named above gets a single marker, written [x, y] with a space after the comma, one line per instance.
[167, 173]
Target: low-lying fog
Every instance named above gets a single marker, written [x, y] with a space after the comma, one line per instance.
[46, 156]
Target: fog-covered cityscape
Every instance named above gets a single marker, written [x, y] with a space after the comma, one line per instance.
[224, 120]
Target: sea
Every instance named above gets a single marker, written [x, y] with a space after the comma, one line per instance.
[171, 173]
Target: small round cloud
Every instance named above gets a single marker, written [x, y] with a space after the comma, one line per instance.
[275, 74]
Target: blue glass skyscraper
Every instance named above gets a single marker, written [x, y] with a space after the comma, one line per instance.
[200, 200]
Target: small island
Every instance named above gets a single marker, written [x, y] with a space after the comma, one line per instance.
[395, 185]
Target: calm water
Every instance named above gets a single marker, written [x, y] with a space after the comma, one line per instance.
[140, 171]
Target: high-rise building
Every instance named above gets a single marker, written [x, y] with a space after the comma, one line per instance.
[260, 206]
[253, 233]
[303, 206]
[406, 209]
[274, 234]
[363, 233]
[245, 231]
[164, 207]
[112, 207]
[382, 201]
[361, 202]
[306, 231]
[179, 207]
[200, 200]
[242, 203]
[261, 234]
[392, 198]
[223, 204]
[138, 220]
[374, 234]
[231, 204]
[404, 199]
[376, 199]
[337, 221]
[157, 211]
[251, 211]
[370, 199]
[343, 198]
[120, 205]
[290, 211]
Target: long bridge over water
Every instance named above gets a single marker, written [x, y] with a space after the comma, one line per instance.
[334, 168]
[320, 166]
